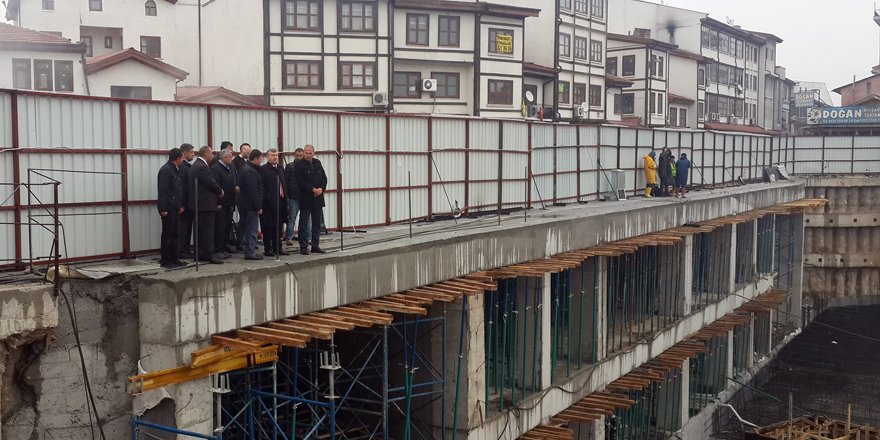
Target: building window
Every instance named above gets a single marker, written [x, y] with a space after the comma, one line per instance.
[564, 95]
[739, 48]
[580, 93]
[625, 104]
[723, 43]
[43, 75]
[406, 84]
[448, 84]
[629, 65]
[48, 5]
[657, 66]
[564, 45]
[21, 73]
[417, 29]
[565, 5]
[302, 75]
[357, 76]
[713, 40]
[63, 76]
[108, 42]
[596, 51]
[701, 77]
[500, 92]
[673, 117]
[655, 103]
[358, 16]
[450, 31]
[704, 37]
[302, 15]
[87, 42]
[701, 110]
[682, 117]
[611, 66]
[580, 48]
[131, 92]
[152, 46]
[501, 41]
[580, 6]
[723, 74]
[598, 8]
[150, 8]
[96, 5]
[713, 73]
[595, 95]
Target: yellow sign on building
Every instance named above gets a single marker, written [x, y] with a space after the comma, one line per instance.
[504, 44]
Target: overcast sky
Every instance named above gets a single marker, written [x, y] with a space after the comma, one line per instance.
[823, 40]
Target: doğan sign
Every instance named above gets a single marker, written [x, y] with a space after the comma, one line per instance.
[843, 115]
[504, 44]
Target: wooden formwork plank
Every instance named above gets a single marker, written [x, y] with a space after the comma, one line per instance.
[378, 304]
[302, 327]
[235, 343]
[339, 325]
[430, 295]
[381, 318]
[316, 326]
[413, 300]
[358, 321]
[211, 357]
[272, 339]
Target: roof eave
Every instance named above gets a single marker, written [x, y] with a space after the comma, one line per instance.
[43, 47]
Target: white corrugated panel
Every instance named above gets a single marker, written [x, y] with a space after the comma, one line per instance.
[483, 196]
[566, 186]
[5, 122]
[516, 136]
[448, 133]
[809, 154]
[709, 141]
[514, 194]
[164, 126]
[363, 171]
[867, 167]
[75, 187]
[840, 160]
[408, 166]
[7, 230]
[515, 165]
[630, 157]
[589, 185]
[86, 231]
[839, 142]
[808, 142]
[566, 135]
[484, 134]
[259, 128]
[400, 204]
[447, 196]
[627, 137]
[589, 135]
[646, 138]
[67, 122]
[866, 141]
[363, 208]
[588, 158]
[144, 228]
[673, 139]
[363, 133]
[142, 174]
[307, 128]
[608, 158]
[659, 139]
[328, 161]
[542, 135]
[608, 135]
[330, 211]
[865, 154]
[483, 165]
[409, 134]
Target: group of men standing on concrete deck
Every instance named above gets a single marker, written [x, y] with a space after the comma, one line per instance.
[673, 174]
[199, 192]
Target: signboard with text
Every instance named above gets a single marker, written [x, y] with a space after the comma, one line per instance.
[844, 115]
[504, 44]
[804, 99]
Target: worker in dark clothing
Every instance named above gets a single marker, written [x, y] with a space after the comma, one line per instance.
[664, 169]
[205, 199]
[682, 170]
[226, 177]
[238, 163]
[250, 203]
[312, 181]
[170, 191]
[185, 223]
[274, 204]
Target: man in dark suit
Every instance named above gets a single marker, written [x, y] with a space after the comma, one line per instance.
[274, 204]
[292, 196]
[170, 190]
[312, 181]
[206, 200]
[185, 223]
[250, 203]
[226, 177]
[244, 152]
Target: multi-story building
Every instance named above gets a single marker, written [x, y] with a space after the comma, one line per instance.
[645, 62]
[32, 60]
[736, 65]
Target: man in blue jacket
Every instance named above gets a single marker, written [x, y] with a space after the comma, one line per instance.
[250, 203]
[682, 169]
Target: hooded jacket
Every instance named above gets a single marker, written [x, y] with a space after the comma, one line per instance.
[650, 170]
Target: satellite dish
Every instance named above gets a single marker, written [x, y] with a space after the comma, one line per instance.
[529, 96]
[456, 213]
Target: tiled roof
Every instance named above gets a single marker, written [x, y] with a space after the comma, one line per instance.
[739, 128]
[12, 36]
[96, 64]
[204, 94]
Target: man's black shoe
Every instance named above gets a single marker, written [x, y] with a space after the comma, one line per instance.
[215, 260]
[318, 251]
[253, 257]
[187, 255]
[179, 263]
[283, 252]
[269, 254]
[304, 251]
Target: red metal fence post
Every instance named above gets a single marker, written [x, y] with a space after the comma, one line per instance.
[467, 165]
[123, 144]
[210, 116]
[528, 194]
[430, 169]
[577, 150]
[339, 192]
[387, 170]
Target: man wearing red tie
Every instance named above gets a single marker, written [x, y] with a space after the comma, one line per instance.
[274, 204]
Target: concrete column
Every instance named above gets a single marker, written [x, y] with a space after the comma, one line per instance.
[730, 286]
[755, 246]
[750, 352]
[546, 336]
[797, 290]
[728, 368]
[685, 392]
[597, 429]
[602, 310]
[686, 295]
[472, 385]
[771, 316]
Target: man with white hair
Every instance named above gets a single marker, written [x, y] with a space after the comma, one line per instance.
[227, 177]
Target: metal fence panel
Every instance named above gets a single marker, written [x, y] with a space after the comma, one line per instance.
[646, 138]
[589, 135]
[838, 160]
[86, 231]
[67, 122]
[448, 164]
[363, 133]
[5, 122]
[566, 136]
[82, 186]
[484, 135]
[259, 128]
[143, 170]
[304, 128]
[164, 126]
[145, 228]
[400, 204]
[866, 142]
[409, 134]
[516, 136]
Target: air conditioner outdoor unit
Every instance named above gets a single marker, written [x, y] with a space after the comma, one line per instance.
[612, 185]
[380, 99]
[580, 112]
[713, 117]
[429, 85]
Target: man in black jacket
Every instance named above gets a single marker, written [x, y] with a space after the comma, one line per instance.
[292, 196]
[312, 182]
[185, 224]
[250, 203]
[206, 200]
[274, 204]
[244, 152]
[170, 190]
[226, 177]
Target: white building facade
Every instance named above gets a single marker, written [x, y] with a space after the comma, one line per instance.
[32, 60]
